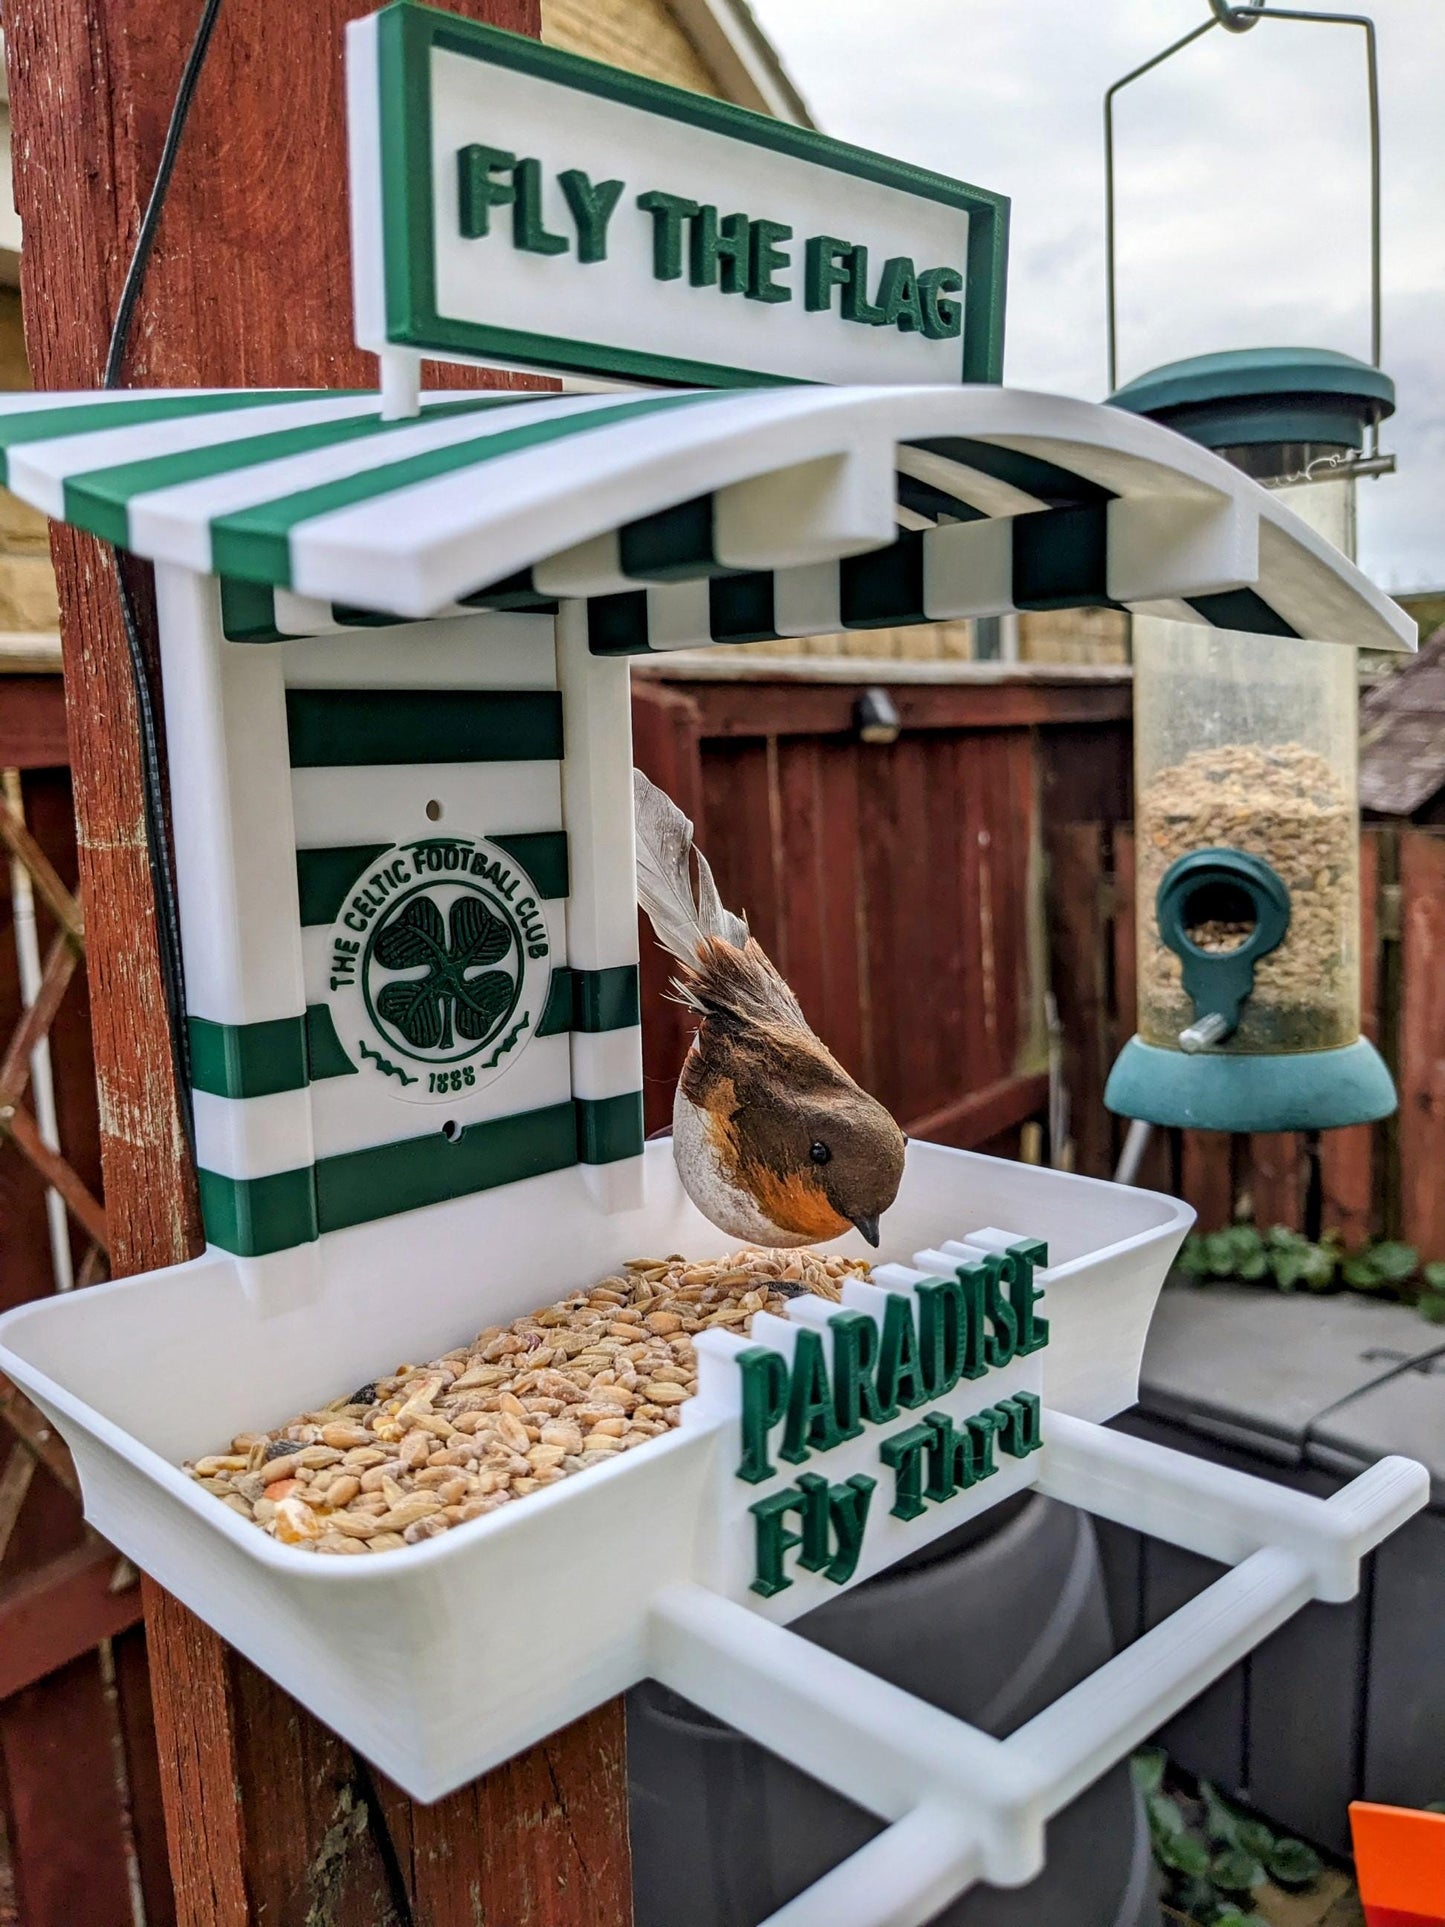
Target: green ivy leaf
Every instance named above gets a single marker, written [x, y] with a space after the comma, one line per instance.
[1279, 1237]
[1232, 1917]
[1193, 1257]
[1219, 1254]
[1165, 1818]
[1256, 1838]
[1147, 1768]
[1434, 1275]
[1293, 1864]
[1394, 1262]
[1321, 1264]
[1287, 1267]
[1432, 1306]
[1236, 1872]
[1253, 1268]
[1184, 1854]
[1359, 1273]
[1221, 1822]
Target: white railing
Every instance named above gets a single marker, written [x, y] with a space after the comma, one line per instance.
[962, 1805]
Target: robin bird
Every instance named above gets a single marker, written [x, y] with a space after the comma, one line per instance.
[773, 1140]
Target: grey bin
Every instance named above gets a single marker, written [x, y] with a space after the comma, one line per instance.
[1344, 1702]
[992, 1624]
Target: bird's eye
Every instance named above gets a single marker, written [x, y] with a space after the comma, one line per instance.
[820, 1154]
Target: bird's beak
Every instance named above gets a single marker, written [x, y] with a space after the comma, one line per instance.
[869, 1227]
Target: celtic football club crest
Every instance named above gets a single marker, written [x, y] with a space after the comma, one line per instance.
[438, 966]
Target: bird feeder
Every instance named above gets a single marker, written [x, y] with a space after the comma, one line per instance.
[1246, 793]
[394, 632]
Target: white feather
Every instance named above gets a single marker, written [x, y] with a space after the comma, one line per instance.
[681, 919]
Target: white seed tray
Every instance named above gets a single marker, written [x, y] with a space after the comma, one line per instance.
[439, 1661]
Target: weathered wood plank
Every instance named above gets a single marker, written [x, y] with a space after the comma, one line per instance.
[1207, 1176]
[564, 1862]
[54, 1614]
[142, 1772]
[807, 709]
[63, 1814]
[1422, 1041]
[32, 723]
[1347, 1158]
[845, 1015]
[1076, 944]
[982, 1115]
[1278, 1176]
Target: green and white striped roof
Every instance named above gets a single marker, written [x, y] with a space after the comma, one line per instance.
[689, 515]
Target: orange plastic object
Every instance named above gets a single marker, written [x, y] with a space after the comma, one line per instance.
[1400, 1865]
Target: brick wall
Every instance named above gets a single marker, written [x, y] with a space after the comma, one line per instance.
[641, 35]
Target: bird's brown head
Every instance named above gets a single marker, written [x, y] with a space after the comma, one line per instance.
[815, 1152]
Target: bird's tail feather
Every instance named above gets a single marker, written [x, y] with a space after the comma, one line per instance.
[682, 920]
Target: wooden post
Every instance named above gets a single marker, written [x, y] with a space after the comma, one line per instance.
[270, 1818]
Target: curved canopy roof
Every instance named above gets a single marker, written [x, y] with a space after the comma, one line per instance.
[690, 515]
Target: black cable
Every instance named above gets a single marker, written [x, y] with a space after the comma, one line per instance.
[150, 220]
[152, 780]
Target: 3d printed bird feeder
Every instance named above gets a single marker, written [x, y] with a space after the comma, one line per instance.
[394, 634]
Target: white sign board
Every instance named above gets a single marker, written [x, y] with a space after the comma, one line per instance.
[514, 203]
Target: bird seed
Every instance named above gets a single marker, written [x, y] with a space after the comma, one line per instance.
[1286, 804]
[524, 1405]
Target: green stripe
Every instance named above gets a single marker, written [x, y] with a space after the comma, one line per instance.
[884, 587]
[359, 1186]
[258, 1060]
[247, 1060]
[324, 877]
[248, 612]
[591, 1001]
[1061, 559]
[543, 855]
[324, 1055]
[617, 624]
[556, 1015]
[740, 607]
[256, 542]
[351, 728]
[87, 418]
[99, 499]
[512, 592]
[252, 1216]
[606, 999]
[674, 545]
[1045, 481]
[1241, 609]
[609, 1128]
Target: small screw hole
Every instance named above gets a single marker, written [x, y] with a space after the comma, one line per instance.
[434, 811]
[451, 1130]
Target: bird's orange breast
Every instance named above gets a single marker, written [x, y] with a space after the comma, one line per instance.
[794, 1202]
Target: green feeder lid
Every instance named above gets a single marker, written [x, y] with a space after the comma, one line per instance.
[1251, 396]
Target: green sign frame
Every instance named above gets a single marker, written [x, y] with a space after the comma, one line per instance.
[407, 35]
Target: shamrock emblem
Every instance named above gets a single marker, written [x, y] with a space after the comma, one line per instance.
[459, 994]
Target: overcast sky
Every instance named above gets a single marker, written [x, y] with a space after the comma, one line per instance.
[1243, 190]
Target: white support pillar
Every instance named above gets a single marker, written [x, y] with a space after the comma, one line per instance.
[602, 904]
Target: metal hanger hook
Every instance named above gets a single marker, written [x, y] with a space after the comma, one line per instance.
[1236, 19]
